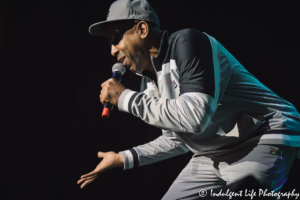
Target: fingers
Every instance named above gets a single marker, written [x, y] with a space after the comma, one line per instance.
[110, 161]
[90, 175]
[109, 81]
[103, 100]
[104, 97]
[100, 154]
[82, 179]
[111, 91]
[97, 170]
[86, 182]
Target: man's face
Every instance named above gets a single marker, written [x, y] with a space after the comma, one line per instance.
[131, 50]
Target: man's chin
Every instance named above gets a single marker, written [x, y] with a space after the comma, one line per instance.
[136, 72]
[133, 70]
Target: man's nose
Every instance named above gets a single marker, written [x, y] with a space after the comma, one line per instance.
[114, 50]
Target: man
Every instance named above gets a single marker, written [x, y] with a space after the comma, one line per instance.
[204, 101]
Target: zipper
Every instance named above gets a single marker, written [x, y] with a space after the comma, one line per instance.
[154, 85]
[190, 145]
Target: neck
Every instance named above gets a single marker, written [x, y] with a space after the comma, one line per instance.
[156, 37]
[154, 44]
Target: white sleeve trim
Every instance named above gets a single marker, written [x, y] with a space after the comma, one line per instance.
[124, 100]
[128, 159]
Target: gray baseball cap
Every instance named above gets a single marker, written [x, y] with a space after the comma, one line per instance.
[122, 10]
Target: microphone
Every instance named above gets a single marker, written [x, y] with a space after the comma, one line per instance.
[118, 71]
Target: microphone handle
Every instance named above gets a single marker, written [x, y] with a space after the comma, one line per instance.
[108, 106]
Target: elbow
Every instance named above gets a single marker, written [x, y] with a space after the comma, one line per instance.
[195, 111]
[197, 130]
[199, 124]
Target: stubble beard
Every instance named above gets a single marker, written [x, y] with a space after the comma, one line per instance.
[137, 62]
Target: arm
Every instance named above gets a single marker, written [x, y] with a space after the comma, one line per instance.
[190, 113]
[110, 160]
[164, 147]
[199, 89]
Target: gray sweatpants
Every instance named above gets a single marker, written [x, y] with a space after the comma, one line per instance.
[269, 165]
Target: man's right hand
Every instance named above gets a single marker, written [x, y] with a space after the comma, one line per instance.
[110, 160]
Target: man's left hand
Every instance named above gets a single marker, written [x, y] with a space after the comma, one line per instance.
[111, 91]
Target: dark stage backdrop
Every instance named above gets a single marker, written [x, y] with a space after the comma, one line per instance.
[52, 69]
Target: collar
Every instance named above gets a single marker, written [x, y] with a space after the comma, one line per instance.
[163, 47]
[158, 61]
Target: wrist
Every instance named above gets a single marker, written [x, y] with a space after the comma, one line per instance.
[120, 160]
[124, 99]
[119, 94]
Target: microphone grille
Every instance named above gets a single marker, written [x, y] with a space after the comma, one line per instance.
[119, 67]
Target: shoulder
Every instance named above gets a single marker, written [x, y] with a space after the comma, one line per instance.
[188, 35]
[189, 43]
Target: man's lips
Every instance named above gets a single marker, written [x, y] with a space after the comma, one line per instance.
[122, 59]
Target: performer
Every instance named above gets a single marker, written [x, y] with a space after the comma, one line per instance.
[204, 101]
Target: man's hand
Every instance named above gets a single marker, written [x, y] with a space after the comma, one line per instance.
[110, 160]
[111, 91]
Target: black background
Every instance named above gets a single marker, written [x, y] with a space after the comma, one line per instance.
[52, 69]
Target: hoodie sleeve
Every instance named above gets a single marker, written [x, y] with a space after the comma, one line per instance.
[200, 87]
[195, 56]
[162, 148]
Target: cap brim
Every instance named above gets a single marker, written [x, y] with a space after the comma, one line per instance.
[100, 28]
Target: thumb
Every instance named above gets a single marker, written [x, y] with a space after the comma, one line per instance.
[100, 154]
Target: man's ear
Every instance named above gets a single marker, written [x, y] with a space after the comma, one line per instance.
[143, 29]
